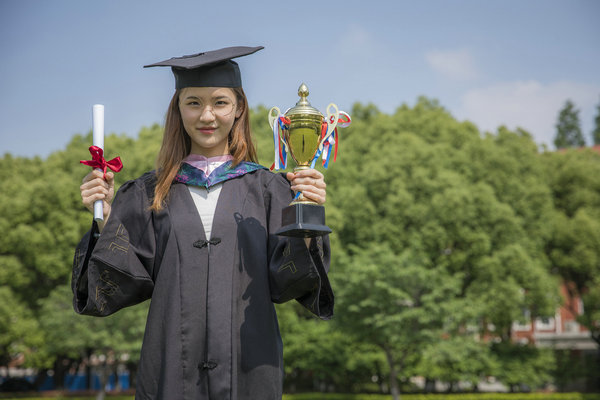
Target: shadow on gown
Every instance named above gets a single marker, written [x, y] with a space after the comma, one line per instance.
[259, 339]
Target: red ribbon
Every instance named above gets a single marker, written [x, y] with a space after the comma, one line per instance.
[336, 138]
[98, 161]
[323, 130]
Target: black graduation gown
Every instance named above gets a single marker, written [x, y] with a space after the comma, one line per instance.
[212, 330]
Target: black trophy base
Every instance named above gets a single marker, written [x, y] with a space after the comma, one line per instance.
[303, 220]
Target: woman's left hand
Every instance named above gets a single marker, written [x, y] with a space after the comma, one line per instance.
[310, 182]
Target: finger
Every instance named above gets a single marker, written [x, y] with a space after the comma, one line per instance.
[93, 187]
[93, 190]
[309, 177]
[88, 177]
[98, 174]
[89, 200]
[90, 196]
[318, 183]
[310, 190]
[95, 182]
[110, 177]
[308, 173]
[319, 198]
[290, 176]
[92, 179]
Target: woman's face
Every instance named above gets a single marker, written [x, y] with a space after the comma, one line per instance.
[208, 113]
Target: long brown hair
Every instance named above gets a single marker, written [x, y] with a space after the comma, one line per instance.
[176, 145]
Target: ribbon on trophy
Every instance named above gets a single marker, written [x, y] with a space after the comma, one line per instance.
[281, 147]
[329, 142]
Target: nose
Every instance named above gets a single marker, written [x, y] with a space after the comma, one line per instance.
[207, 114]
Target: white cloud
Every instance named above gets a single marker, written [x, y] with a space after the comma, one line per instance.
[357, 36]
[530, 105]
[357, 43]
[453, 64]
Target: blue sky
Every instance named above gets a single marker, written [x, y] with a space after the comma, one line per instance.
[492, 62]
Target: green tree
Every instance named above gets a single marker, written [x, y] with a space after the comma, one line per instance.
[440, 230]
[394, 303]
[568, 128]
[574, 248]
[262, 135]
[456, 359]
[109, 341]
[42, 219]
[523, 366]
[596, 131]
[20, 334]
[315, 353]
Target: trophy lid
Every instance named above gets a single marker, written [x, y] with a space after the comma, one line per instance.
[303, 107]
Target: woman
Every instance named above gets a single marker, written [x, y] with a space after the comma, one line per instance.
[197, 236]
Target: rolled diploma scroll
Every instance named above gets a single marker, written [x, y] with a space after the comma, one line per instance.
[98, 133]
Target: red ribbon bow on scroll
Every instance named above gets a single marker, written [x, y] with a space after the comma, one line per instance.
[98, 161]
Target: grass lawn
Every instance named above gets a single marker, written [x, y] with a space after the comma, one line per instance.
[338, 396]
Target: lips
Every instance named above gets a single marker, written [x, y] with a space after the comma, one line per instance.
[207, 130]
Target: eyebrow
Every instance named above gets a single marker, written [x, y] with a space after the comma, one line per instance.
[213, 98]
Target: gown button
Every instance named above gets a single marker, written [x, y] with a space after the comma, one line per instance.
[210, 364]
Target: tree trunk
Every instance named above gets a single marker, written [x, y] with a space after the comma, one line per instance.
[394, 389]
[380, 380]
[88, 368]
[118, 387]
[103, 381]
[597, 380]
[60, 371]
[132, 368]
[40, 378]
[429, 385]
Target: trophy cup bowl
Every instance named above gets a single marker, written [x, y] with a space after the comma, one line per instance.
[303, 138]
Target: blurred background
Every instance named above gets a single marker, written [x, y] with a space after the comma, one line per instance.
[465, 200]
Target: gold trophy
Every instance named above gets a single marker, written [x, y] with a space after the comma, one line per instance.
[303, 138]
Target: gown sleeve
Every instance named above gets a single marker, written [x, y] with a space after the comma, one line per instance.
[295, 271]
[113, 270]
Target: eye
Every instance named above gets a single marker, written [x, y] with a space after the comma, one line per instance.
[222, 103]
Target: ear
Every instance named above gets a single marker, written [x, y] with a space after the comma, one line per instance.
[238, 111]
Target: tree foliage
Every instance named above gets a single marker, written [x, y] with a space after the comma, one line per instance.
[574, 247]
[440, 230]
[568, 128]
[596, 131]
[42, 219]
[442, 238]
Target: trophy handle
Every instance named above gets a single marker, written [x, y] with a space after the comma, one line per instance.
[273, 118]
[332, 121]
[274, 114]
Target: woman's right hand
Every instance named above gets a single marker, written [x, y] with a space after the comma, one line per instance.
[94, 187]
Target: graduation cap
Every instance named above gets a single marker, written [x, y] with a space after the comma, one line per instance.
[211, 68]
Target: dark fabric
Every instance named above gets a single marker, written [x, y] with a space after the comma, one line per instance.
[211, 68]
[226, 74]
[212, 331]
